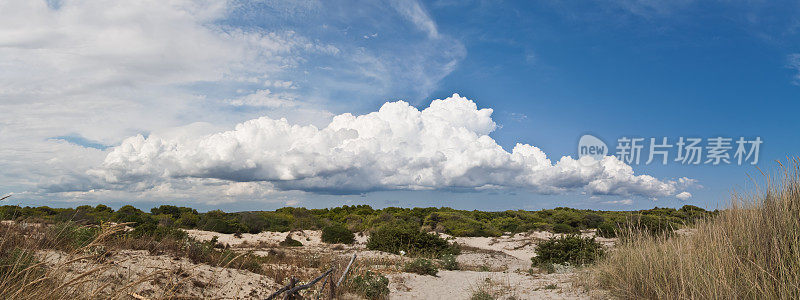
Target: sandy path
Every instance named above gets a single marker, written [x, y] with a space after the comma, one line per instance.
[462, 284]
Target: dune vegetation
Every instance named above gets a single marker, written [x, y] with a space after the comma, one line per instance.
[363, 218]
[749, 251]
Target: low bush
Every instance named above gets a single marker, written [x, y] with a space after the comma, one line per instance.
[421, 266]
[607, 230]
[67, 236]
[564, 228]
[371, 285]
[157, 232]
[481, 295]
[592, 220]
[393, 239]
[337, 234]
[449, 262]
[569, 249]
[290, 242]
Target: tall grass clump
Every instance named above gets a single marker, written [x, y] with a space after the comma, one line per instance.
[749, 251]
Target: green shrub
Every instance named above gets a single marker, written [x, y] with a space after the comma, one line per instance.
[129, 213]
[655, 225]
[607, 230]
[570, 249]
[337, 234]
[67, 236]
[290, 242]
[548, 268]
[393, 239]
[219, 221]
[564, 228]
[158, 232]
[421, 266]
[187, 220]
[592, 220]
[542, 226]
[449, 262]
[371, 285]
[459, 224]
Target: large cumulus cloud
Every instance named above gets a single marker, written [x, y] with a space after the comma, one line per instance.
[444, 146]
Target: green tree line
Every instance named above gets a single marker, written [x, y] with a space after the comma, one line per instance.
[365, 218]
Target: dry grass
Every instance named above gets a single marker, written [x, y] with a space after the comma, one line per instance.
[22, 276]
[492, 288]
[64, 261]
[749, 251]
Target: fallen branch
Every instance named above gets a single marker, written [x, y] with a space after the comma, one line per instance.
[338, 283]
[283, 289]
[294, 290]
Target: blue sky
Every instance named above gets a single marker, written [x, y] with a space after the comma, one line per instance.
[139, 103]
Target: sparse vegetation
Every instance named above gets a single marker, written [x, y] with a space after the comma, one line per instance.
[421, 266]
[370, 285]
[290, 242]
[449, 262]
[25, 274]
[489, 289]
[481, 295]
[393, 230]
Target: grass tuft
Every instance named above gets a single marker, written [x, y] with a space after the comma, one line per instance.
[749, 251]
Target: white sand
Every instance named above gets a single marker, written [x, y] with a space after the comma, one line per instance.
[165, 276]
[499, 265]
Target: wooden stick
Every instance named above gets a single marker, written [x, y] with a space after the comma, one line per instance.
[322, 289]
[290, 293]
[283, 289]
[346, 269]
[333, 290]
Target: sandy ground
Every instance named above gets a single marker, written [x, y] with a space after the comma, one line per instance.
[502, 285]
[162, 276]
[520, 245]
[497, 265]
[309, 238]
[505, 272]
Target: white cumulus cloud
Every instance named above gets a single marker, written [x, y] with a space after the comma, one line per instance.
[444, 146]
[684, 195]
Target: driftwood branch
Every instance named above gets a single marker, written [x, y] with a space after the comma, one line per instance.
[322, 288]
[6, 197]
[294, 290]
[283, 289]
[291, 290]
[338, 283]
